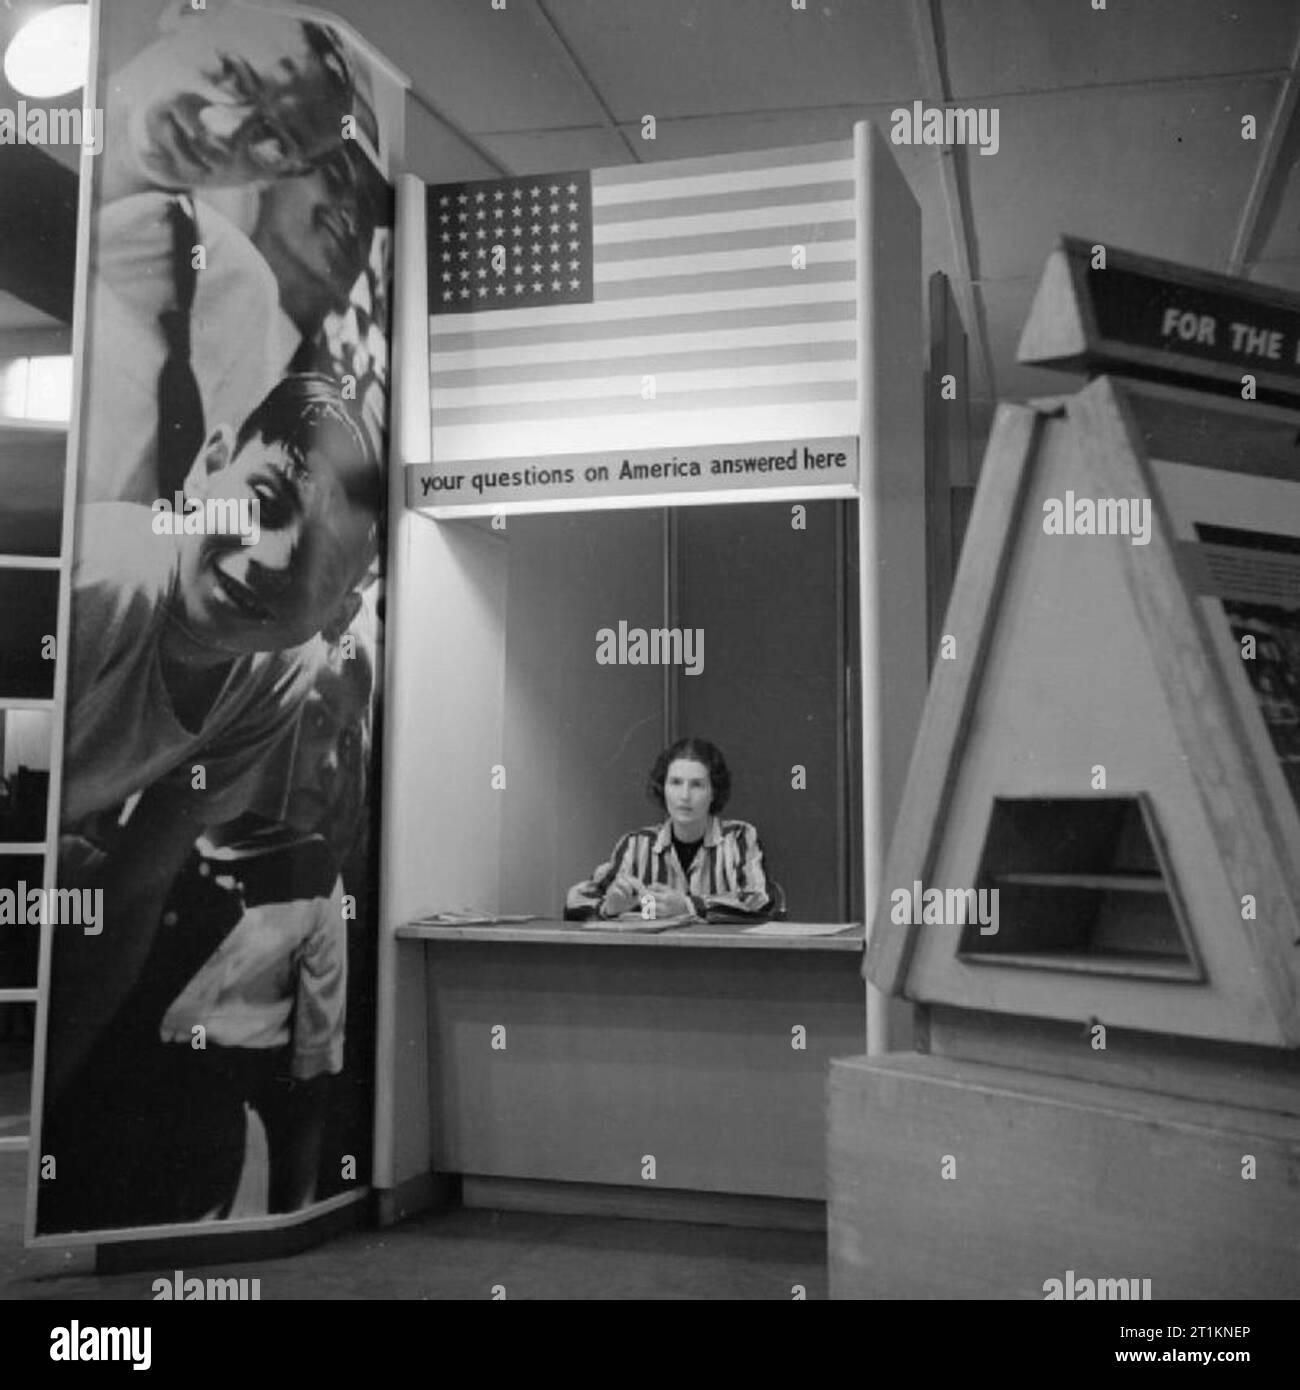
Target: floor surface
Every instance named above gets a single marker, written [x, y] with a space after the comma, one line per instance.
[460, 1254]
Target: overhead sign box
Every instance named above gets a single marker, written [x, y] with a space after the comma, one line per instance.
[1099, 309]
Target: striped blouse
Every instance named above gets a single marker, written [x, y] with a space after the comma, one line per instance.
[726, 878]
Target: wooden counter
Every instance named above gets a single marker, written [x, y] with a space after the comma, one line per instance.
[724, 936]
[556, 1060]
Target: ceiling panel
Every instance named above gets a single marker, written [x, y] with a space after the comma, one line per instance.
[1006, 307]
[543, 151]
[1161, 170]
[722, 134]
[488, 69]
[682, 139]
[937, 250]
[1041, 45]
[709, 57]
[16, 314]
[437, 154]
[1281, 218]
[1285, 274]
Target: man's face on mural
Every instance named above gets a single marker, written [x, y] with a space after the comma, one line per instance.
[231, 99]
[318, 226]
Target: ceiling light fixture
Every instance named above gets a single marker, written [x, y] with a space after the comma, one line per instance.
[50, 54]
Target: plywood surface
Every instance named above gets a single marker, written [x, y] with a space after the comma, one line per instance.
[1254, 1078]
[610, 1056]
[1050, 1175]
[1073, 653]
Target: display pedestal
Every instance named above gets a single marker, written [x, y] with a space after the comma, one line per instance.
[1051, 1175]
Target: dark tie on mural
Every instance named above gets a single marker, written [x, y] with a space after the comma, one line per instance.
[180, 407]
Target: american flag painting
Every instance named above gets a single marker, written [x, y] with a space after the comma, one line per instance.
[660, 305]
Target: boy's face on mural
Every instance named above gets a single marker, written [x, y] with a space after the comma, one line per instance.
[315, 538]
[229, 99]
[326, 778]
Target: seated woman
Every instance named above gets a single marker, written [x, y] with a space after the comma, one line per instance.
[695, 863]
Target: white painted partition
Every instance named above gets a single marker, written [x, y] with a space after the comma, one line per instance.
[891, 518]
[445, 655]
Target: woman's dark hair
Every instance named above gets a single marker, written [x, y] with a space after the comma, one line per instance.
[698, 750]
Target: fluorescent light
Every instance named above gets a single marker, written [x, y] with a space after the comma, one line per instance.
[49, 388]
[36, 388]
[13, 388]
[50, 54]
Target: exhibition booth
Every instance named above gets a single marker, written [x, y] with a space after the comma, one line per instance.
[723, 445]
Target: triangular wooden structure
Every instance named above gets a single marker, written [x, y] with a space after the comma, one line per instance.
[1075, 652]
[1055, 333]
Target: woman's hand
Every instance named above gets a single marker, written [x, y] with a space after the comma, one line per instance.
[623, 895]
[671, 902]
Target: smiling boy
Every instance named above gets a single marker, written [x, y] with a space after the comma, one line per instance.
[184, 680]
[173, 634]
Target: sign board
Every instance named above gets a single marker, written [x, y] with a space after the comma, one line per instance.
[827, 465]
[1149, 317]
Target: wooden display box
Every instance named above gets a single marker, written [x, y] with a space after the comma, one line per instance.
[1111, 746]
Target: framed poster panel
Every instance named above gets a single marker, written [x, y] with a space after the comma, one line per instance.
[205, 1059]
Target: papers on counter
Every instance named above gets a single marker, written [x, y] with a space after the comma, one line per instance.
[634, 922]
[800, 928]
[473, 917]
